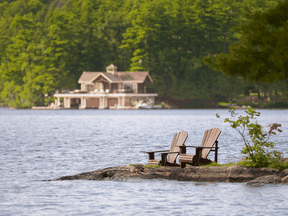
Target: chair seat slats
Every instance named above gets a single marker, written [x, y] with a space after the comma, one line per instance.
[187, 158]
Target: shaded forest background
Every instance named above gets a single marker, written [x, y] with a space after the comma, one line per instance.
[46, 45]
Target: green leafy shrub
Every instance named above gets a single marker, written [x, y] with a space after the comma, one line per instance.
[49, 100]
[257, 148]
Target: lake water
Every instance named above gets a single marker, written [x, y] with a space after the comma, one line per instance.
[39, 145]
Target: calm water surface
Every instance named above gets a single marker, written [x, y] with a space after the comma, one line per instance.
[38, 145]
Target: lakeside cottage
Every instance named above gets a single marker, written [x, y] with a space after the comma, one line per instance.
[110, 89]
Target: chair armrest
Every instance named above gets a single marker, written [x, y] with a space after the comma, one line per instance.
[166, 153]
[197, 146]
[163, 155]
[157, 151]
[152, 154]
[172, 152]
[183, 149]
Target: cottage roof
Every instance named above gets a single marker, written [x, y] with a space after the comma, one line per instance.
[87, 76]
[138, 77]
[112, 77]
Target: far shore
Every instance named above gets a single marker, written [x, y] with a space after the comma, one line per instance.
[60, 108]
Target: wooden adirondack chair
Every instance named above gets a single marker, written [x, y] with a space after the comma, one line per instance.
[177, 141]
[209, 139]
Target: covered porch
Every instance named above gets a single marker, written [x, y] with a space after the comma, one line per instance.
[103, 101]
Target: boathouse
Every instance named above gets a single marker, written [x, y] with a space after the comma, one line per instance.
[110, 89]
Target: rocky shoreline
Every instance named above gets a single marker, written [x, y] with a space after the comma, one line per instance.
[253, 176]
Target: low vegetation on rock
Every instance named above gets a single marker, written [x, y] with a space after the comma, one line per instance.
[258, 150]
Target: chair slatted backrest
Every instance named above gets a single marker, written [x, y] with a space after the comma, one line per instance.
[209, 138]
[178, 140]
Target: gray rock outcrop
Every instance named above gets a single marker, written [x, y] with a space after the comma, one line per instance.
[255, 176]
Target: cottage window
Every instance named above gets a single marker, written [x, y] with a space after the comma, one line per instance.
[106, 86]
[128, 87]
[89, 88]
[113, 86]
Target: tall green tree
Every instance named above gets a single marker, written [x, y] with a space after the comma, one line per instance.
[262, 53]
[46, 45]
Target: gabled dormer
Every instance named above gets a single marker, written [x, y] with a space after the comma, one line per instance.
[111, 69]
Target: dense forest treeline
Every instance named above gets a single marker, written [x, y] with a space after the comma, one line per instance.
[47, 44]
